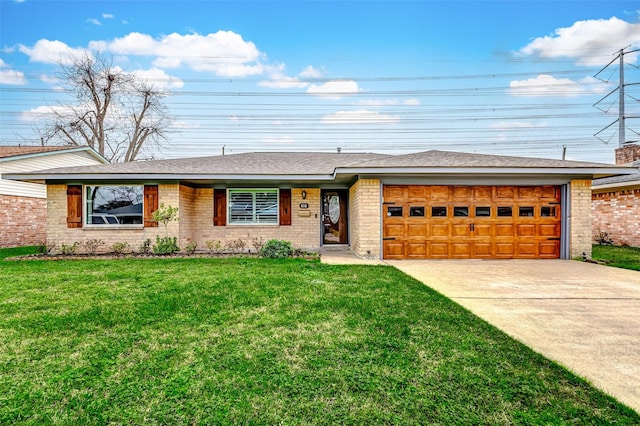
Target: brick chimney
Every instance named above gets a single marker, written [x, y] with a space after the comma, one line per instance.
[627, 154]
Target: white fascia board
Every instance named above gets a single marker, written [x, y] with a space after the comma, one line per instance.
[90, 150]
[581, 171]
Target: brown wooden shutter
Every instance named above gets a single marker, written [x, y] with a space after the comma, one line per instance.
[219, 207]
[150, 205]
[74, 206]
[285, 207]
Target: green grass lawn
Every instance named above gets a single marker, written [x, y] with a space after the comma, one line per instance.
[254, 341]
[620, 257]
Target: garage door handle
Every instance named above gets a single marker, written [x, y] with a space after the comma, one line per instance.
[553, 239]
[388, 238]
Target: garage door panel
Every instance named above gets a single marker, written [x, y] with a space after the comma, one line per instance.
[466, 221]
[394, 230]
[439, 250]
[416, 231]
[439, 230]
[416, 249]
[525, 230]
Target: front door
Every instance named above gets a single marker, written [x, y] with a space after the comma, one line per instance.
[334, 217]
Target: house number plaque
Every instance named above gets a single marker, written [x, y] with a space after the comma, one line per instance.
[304, 205]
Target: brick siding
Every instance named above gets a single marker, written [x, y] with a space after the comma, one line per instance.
[22, 221]
[580, 218]
[618, 214]
[365, 218]
[195, 222]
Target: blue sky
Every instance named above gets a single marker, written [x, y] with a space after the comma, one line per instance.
[508, 77]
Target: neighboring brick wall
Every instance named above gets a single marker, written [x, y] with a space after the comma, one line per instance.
[22, 221]
[618, 214]
[365, 218]
[580, 218]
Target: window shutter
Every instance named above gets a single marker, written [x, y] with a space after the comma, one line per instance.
[74, 206]
[285, 207]
[219, 207]
[150, 204]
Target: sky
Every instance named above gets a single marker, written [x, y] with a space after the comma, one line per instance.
[510, 77]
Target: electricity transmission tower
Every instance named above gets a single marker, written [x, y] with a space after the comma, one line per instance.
[622, 117]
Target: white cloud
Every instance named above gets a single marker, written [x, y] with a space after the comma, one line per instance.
[412, 102]
[334, 89]
[589, 43]
[94, 21]
[52, 52]
[11, 77]
[546, 85]
[278, 80]
[224, 53]
[362, 116]
[159, 79]
[107, 16]
[311, 72]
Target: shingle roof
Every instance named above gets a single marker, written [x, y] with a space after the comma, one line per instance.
[325, 165]
[462, 159]
[14, 151]
[623, 180]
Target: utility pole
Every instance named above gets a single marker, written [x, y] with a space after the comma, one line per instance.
[622, 117]
[621, 137]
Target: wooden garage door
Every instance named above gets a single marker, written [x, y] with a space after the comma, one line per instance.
[471, 222]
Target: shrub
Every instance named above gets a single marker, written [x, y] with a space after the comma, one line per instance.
[214, 246]
[92, 246]
[258, 243]
[191, 248]
[277, 249]
[603, 239]
[236, 246]
[120, 248]
[164, 215]
[145, 247]
[166, 245]
[68, 249]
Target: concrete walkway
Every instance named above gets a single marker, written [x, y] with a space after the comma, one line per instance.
[581, 315]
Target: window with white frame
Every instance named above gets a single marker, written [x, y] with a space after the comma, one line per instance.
[114, 205]
[253, 206]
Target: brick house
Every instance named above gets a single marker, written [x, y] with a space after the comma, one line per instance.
[616, 201]
[431, 204]
[22, 204]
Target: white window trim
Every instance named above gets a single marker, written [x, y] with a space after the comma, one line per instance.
[114, 226]
[228, 206]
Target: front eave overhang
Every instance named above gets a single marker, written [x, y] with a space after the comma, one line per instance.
[618, 186]
[340, 174]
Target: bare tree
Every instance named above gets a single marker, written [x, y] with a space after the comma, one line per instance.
[116, 113]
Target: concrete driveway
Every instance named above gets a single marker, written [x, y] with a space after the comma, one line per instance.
[581, 315]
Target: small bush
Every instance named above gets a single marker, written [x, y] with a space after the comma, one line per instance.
[92, 246]
[603, 239]
[191, 248]
[258, 243]
[214, 246]
[120, 248]
[276, 249]
[166, 245]
[68, 249]
[145, 247]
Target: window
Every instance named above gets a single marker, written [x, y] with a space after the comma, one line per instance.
[505, 211]
[438, 211]
[547, 211]
[394, 211]
[525, 212]
[483, 211]
[253, 206]
[416, 211]
[114, 205]
[461, 211]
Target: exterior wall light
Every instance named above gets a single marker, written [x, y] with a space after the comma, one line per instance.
[304, 194]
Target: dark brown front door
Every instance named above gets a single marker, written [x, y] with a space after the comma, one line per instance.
[471, 222]
[334, 217]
